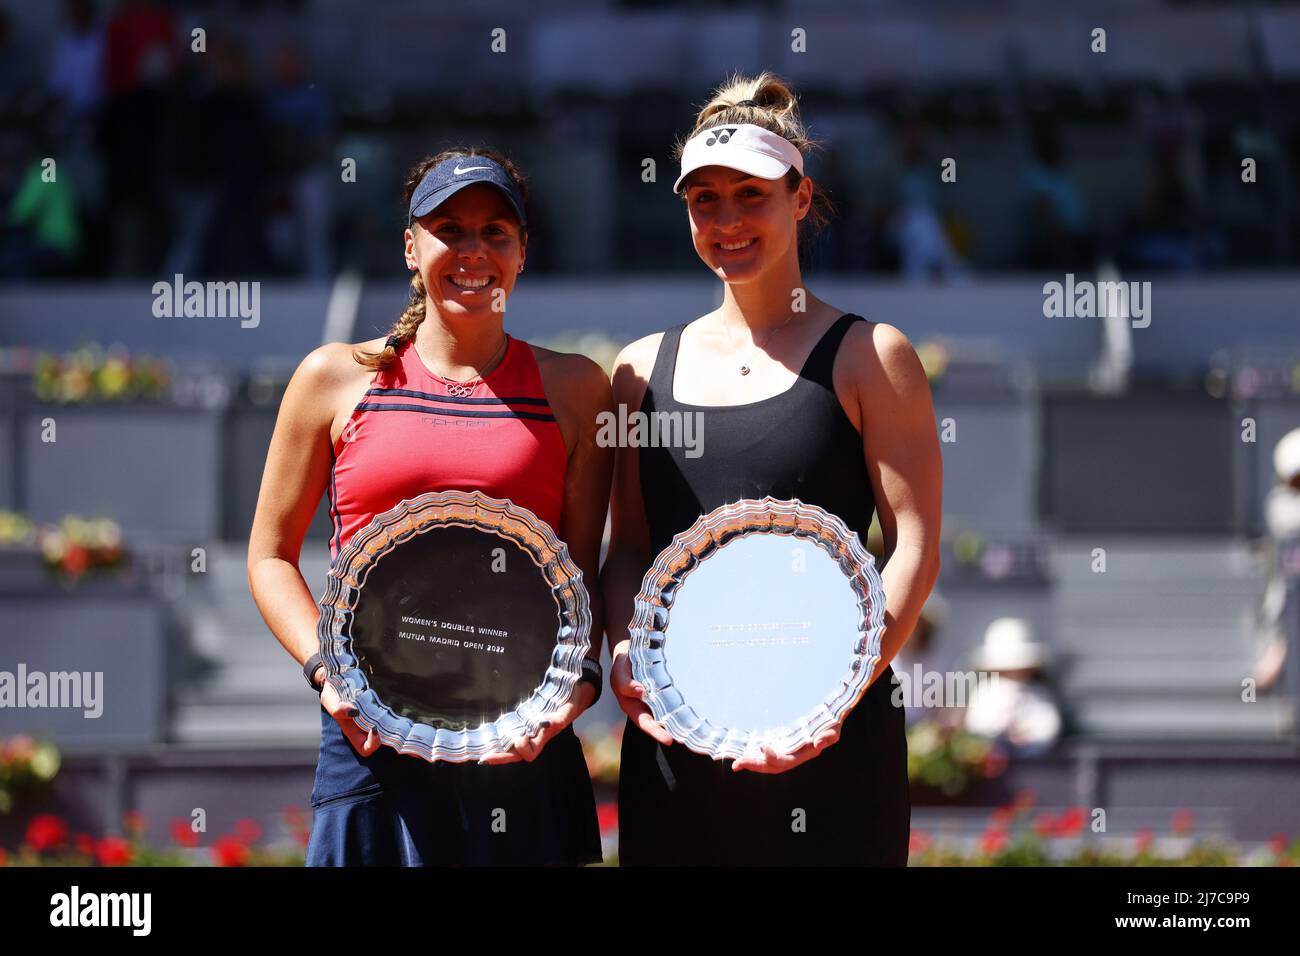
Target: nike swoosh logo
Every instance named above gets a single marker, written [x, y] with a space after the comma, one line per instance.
[468, 169]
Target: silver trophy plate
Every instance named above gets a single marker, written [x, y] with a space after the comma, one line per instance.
[454, 622]
[759, 625]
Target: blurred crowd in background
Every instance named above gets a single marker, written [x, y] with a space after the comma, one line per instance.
[170, 162]
[231, 161]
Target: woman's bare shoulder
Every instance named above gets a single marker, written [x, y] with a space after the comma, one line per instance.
[638, 357]
[327, 380]
[879, 345]
[571, 377]
[333, 364]
[576, 387]
[882, 365]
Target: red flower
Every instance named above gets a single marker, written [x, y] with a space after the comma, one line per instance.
[248, 831]
[1001, 816]
[3, 856]
[135, 822]
[75, 560]
[113, 851]
[15, 749]
[993, 841]
[229, 851]
[918, 842]
[1144, 838]
[85, 843]
[607, 816]
[1045, 825]
[1181, 822]
[46, 832]
[1278, 843]
[1071, 822]
[995, 762]
[294, 817]
[182, 833]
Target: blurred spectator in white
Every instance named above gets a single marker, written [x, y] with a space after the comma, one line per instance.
[1016, 706]
[1282, 516]
[301, 129]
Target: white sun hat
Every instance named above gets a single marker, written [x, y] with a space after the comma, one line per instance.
[1008, 646]
[1286, 455]
[742, 146]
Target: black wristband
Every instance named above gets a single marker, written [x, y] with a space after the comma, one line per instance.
[594, 675]
[309, 672]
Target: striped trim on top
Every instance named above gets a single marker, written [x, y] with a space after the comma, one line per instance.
[456, 412]
[456, 399]
[501, 407]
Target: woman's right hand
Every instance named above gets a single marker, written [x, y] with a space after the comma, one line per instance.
[363, 742]
[631, 695]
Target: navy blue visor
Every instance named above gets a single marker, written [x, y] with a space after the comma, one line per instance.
[451, 176]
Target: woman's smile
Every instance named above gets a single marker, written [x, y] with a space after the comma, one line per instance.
[468, 283]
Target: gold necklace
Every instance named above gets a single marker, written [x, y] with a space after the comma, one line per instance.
[745, 367]
[462, 388]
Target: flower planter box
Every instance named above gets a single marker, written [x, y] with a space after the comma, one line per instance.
[24, 572]
[101, 628]
[153, 469]
[21, 570]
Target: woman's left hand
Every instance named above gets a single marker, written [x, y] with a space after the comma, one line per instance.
[767, 760]
[527, 748]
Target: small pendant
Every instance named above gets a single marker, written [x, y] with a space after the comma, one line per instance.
[744, 370]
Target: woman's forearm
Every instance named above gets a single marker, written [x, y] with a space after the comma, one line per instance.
[908, 577]
[286, 604]
[620, 582]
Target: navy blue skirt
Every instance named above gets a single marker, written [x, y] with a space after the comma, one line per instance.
[389, 809]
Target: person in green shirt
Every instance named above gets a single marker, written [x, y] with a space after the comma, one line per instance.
[46, 209]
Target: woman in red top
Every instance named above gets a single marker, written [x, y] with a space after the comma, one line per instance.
[448, 400]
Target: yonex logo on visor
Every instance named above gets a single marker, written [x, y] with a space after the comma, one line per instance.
[746, 147]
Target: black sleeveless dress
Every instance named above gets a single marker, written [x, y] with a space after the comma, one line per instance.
[680, 807]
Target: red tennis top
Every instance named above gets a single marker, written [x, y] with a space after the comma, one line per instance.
[408, 435]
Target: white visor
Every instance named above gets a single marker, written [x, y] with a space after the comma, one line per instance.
[743, 146]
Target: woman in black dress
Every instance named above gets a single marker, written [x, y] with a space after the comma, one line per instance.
[798, 400]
